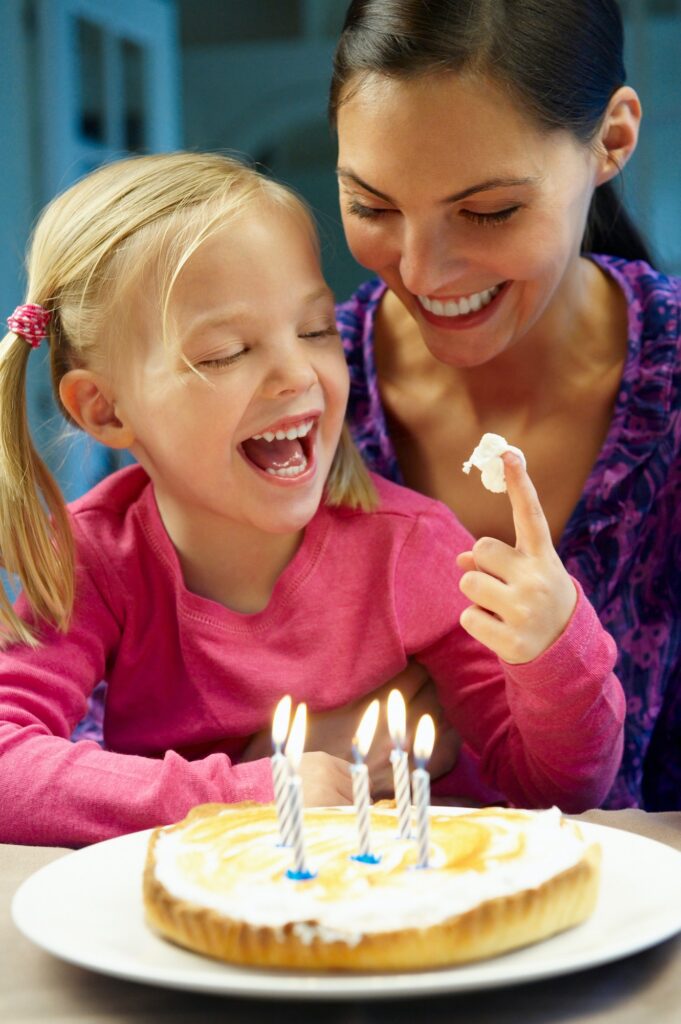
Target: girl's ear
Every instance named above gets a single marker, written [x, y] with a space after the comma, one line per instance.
[87, 400]
[619, 133]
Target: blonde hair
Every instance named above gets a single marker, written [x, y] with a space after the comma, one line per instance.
[86, 249]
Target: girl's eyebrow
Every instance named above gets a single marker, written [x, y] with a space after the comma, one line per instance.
[241, 313]
[483, 186]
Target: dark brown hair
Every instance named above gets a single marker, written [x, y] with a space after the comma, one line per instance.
[563, 60]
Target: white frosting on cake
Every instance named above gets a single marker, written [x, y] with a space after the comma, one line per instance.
[487, 458]
[474, 857]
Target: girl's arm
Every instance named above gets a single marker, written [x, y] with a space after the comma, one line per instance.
[55, 792]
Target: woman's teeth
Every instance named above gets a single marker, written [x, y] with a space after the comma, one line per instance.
[453, 307]
[290, 434]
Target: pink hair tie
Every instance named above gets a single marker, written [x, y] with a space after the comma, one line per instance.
[30, 323]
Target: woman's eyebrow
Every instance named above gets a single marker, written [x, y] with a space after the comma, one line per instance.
[483, 186]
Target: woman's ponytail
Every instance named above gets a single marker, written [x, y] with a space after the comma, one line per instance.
[610, 230]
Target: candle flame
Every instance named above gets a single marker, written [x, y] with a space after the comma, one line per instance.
[280, 723]
[366, 729]
[424, 739]
[397, 718]
[296, 737]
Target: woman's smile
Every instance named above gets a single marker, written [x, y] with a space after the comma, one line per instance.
[467, 311]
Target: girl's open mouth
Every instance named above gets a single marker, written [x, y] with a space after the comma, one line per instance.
[287, 452]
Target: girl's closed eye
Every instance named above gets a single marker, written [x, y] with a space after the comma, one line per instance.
[217, 362]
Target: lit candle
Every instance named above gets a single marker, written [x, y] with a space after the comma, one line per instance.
[420, 780]
[294, 752]
[360, 781]
[397, 725]
[280, 772]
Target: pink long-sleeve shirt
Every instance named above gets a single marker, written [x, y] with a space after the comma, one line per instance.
[189, 680]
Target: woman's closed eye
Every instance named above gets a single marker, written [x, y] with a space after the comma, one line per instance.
[322, 332]
[490, 219]
[358, 209]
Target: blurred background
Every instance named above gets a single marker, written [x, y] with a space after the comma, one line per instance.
[86, 81]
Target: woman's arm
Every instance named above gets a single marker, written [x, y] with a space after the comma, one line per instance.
[525, 672]
[332, 731]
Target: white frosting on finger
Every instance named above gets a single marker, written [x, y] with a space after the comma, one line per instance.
[487, 458]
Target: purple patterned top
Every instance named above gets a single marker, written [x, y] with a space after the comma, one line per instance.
[623, 540]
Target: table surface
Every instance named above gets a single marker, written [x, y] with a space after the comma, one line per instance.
[35, 986]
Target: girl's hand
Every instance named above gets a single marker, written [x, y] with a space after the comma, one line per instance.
[522, 597]
[326, 780]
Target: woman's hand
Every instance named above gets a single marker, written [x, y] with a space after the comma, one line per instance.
[326, 780]
[522, 597]
[332, 731]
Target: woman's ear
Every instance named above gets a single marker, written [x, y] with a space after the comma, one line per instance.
[619, 133]
[87, 400]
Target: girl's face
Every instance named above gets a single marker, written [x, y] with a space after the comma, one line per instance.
[251, 436]
[471, 215]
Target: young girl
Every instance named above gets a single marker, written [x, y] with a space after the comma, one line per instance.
[248, 553]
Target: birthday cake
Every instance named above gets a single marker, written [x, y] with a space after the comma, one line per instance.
[218, 883]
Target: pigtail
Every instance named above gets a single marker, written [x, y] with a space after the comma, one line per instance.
[349, 482]
[36, 544]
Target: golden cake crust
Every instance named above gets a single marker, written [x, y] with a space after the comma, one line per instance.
[494, 926]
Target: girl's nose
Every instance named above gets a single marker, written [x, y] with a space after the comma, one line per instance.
[428, 260]
[291, 373]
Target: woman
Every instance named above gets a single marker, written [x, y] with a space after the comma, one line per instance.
[478, 145]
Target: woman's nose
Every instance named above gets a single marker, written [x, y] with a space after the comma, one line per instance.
[428, 260]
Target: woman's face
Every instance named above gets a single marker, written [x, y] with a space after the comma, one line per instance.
[471, 214]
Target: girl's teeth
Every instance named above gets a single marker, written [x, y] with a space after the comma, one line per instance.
[285, 435]
[467, 304]
[289, 470]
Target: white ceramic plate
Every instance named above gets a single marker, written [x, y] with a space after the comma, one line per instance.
[86, 908]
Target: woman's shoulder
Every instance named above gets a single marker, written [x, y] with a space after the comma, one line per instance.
[352, 314]
[653, 297]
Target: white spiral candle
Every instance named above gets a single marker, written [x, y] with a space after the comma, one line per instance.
[294, 752]
[360, 780]
[300, 868]
[423, 748]
[397, 726]
[400, 763]
[421, 787]
[360, 795]
[280, 769]
[280, 780]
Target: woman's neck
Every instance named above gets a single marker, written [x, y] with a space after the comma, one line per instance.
[583, 330]
[231, 563]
